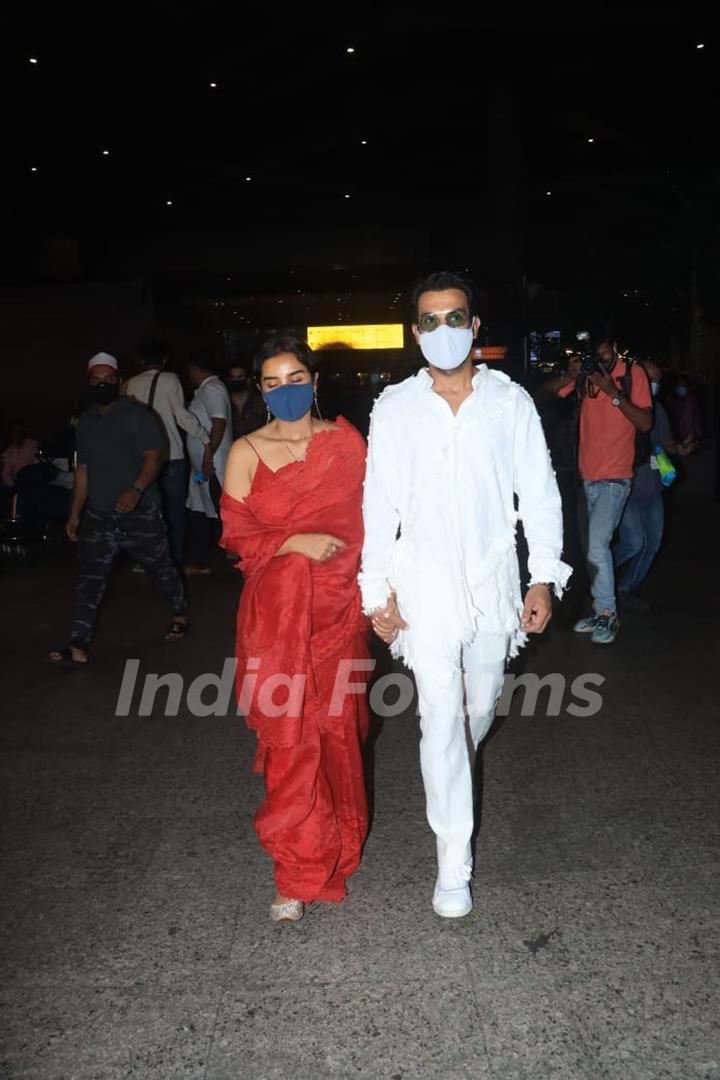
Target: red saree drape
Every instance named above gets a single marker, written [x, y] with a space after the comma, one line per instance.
[298, 621]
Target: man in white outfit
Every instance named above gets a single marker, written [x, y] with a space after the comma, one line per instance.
[162, 391]
[449, 450]
[212, 406]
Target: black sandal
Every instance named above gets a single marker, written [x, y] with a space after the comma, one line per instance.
[178, 629]
[65, 658]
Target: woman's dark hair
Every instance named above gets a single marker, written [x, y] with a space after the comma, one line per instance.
[285, 343]
[438, 282]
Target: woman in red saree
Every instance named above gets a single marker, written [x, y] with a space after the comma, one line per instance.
[291, 508]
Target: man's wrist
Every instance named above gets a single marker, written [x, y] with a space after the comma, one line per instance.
[138, 489]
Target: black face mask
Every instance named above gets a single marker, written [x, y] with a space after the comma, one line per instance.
[236, 386]
[103, 393]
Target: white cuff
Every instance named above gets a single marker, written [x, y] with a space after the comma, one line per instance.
[375, 591]
[549, 572]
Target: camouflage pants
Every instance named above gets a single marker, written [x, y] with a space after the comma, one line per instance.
[102, 537]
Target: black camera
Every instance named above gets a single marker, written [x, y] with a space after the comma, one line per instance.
[589, 363]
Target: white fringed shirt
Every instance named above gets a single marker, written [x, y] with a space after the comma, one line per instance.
[440, 517]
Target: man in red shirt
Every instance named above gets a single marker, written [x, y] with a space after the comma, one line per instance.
[615, 403]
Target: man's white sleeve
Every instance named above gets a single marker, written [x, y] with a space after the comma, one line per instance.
[381, 514]
[183, 417]
[539, 501]
[217, 402]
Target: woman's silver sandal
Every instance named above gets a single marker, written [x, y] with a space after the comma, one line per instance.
[288, 911]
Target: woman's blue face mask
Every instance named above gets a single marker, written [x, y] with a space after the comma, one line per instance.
[291, 401]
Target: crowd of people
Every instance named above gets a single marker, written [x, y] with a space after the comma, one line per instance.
[411, 536]
[38, 470]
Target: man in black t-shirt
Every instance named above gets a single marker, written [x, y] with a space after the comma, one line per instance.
[248, 408]
[119, 453]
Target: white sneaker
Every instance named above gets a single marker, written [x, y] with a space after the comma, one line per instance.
[451, 898]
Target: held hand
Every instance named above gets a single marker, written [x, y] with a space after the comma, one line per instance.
[71, 528]
[537, 610]
[319, 546]
[387, 622]
[127, 501]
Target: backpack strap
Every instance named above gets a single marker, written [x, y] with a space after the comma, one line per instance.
[153, 387]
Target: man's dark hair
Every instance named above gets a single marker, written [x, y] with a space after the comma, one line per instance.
[285, 343]
[152, 354]
[438, 282]
[16, 422]
[208, 366]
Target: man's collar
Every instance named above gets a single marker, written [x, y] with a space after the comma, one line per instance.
[425, 379]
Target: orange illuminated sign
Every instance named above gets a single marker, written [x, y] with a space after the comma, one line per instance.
[369, 336]
[490, 353]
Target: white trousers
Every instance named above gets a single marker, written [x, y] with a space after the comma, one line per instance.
[457, 699]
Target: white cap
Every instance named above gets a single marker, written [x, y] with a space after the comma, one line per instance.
[102, 358]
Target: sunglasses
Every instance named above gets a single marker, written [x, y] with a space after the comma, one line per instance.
[457, 319]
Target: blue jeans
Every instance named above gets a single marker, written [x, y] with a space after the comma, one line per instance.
[605, 501]
[173, 489]
[640, 536]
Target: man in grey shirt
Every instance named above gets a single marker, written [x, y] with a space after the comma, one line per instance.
[120, 447]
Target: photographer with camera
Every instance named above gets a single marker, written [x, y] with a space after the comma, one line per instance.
[615, 413]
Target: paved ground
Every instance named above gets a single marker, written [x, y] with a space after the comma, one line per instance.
[136, 936]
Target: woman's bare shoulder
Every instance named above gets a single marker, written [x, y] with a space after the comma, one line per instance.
[245, 446]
